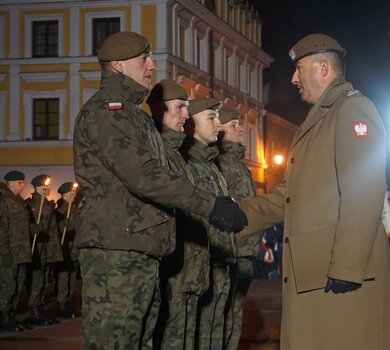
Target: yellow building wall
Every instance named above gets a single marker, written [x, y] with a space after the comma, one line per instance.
[36, 156]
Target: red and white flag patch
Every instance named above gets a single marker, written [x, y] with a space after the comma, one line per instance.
[114, 106]
[360, 129]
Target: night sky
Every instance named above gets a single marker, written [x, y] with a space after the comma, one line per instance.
[361, 27]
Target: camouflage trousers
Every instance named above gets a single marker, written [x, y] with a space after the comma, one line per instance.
[120, 297]
[179, 328]
[211, 310]
[37, 277]
[66, 280]
[241, 274]
[11, 285]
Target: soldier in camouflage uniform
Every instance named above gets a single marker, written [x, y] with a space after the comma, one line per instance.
[47, 248]
[66, 270]
[125, 227]
[185, 272]
[202, 130]
[241, 186]
[15, 249]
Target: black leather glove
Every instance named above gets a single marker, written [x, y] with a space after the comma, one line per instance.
[227, 215]
[35, 229]
[339, 286]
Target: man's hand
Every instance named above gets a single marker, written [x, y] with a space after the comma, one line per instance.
[339, 286]
[227, 215]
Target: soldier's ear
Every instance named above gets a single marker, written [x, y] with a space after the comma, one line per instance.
[118, 66]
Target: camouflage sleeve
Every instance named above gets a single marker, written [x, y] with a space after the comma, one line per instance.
[4, 241]
[123, 148]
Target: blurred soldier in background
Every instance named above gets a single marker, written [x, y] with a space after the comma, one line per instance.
[66, 270]
[46, 247]
[15, 249]
[201, 151]
[240, 186]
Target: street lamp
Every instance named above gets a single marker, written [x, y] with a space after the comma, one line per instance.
[278, 159]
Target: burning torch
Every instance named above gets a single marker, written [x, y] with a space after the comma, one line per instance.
[72, 197]
[43, 196]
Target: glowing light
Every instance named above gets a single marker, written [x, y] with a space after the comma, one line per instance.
[278, 159]
[47, 181]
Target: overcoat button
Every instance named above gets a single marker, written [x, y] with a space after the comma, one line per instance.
[292, 160]
[285, 280]
[288, 200]
[286, 240]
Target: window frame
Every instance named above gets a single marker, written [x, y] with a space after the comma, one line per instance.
[29, 97]
[46, 46]
[28, 33]
[90, 16]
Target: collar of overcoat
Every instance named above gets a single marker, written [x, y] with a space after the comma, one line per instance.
[320, 110]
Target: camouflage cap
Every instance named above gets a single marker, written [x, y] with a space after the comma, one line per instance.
[226, 114]
[167, 90]
[14, 175]
[314, 43]
[201, 104]
[65, 187]
[39, 180]
[122, 46]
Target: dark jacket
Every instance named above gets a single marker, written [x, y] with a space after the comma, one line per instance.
[15, 246]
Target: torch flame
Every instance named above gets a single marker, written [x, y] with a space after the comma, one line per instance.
[47, 181]
[75, 185]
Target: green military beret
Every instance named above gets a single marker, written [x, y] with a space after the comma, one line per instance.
[122, 46]
[65, 187]
[39, 180]
[226, 114]
[14, 175]
[201, 104]
[167, 90]
[314, 43]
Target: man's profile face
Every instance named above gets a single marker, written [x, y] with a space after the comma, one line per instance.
[233, 131]
[16, 186]
[307, 77]
[207, 126]
[176, 114]
[139, 68]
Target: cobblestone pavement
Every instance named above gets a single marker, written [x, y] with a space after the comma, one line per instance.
[262, 310]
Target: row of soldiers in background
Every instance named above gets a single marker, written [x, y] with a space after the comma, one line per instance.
[35, 236]
[204, 282]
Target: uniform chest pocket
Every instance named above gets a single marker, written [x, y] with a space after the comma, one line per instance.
[209, 183]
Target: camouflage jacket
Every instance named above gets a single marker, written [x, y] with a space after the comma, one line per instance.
[206, 175]
[122, 171]
[187, 268]
[15, 245]
[69, 250]
[48, 246]
[241, 186]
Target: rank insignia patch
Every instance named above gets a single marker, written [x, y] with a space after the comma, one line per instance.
[360, 129]
[114, 106]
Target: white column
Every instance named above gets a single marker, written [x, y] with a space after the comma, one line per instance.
[74, 49]
[14, 44]
[14, 104]
[136, 18]
[74, 97]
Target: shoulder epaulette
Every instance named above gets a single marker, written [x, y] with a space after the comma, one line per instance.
[352, 92]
